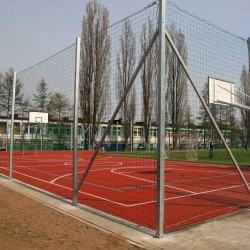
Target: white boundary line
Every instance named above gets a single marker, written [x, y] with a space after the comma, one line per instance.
[135, 204]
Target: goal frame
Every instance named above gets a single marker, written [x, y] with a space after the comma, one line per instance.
[188, 140]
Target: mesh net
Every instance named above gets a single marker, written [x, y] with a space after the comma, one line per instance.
[213, 184]
[122, 178]
[47, 87]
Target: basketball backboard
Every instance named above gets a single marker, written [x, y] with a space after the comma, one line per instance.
[220, 92]
[224, 93]
[38, 117]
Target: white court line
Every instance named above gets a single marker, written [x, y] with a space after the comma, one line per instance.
[108, 168]
[113, 171]
[5, 168]
[135, 204]
[100, 158]
[91, 170]
[62, 176]
[58, 185]
[188, 195]
[199, 171]
[142, 179]
[94, 164]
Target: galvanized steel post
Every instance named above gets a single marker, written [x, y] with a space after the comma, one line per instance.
[12, 125]
[75, 132]
[161, 122]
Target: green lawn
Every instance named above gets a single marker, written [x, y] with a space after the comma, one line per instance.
[220, 156]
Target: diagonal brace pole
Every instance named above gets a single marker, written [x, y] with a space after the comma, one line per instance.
[118, 108]
[206, 108]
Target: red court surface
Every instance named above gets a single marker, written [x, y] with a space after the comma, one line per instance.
[126, 187]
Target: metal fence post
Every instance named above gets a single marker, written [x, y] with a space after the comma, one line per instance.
[161, 122]
[248, 127]
[75, 133]
[12, 125]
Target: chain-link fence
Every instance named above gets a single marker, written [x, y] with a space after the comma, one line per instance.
[155, 138]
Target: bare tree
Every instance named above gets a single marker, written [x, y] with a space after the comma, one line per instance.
[245, 114]
[125, 62]
[41, 97]
[177, 96]
[24, 107]
[94, 75]
[58, 105]
[148, 79]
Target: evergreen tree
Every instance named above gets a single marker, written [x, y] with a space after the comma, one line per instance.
[41, 97]
[6, 93]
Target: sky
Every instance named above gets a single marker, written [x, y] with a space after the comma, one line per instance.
[32, 30]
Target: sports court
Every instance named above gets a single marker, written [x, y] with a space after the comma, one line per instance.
[145, 120]
[194, 192]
